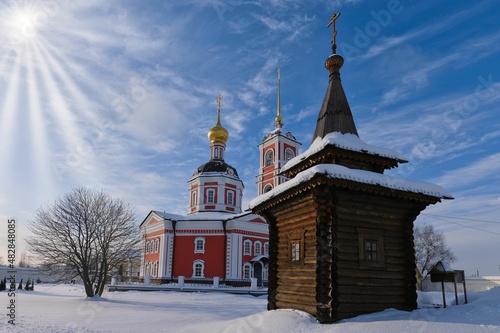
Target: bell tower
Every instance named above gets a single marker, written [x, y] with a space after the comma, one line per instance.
[275, 150]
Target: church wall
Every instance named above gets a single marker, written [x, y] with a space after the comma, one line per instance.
[213, 256]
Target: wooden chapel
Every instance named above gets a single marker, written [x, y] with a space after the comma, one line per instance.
[340, 231]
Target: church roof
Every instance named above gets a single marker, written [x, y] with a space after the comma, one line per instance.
[346, 141]
[278, 132]
[218, 133]
[335, 171]
[216, 166]
[335, 113]
[204, 216]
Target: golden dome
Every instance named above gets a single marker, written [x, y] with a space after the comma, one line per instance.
[218, 133]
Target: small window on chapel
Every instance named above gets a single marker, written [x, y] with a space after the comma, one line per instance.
[371, 253]
[371, 248]
[295, 251]
[296, 246]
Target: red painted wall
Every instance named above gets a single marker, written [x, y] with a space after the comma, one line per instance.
[213, 257]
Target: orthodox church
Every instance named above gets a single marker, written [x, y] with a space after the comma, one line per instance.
[215, 238]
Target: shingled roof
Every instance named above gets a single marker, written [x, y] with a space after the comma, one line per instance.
[335, 114]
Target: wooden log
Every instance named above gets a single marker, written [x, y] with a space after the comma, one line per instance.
[311, 309]
[296, 299]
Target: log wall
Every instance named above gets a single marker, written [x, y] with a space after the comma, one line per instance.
[332, 281]
[363, 288]
[295, 281]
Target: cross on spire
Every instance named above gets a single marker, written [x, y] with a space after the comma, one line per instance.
[278, 109]
[219, 100]
[335, 16]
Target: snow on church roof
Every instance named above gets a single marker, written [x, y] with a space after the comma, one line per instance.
[202, 216]
[361, 176]
[346, 141]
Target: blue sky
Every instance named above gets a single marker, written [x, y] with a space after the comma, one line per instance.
[120, 96]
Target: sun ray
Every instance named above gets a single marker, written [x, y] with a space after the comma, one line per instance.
[40, 152]
[9, 112]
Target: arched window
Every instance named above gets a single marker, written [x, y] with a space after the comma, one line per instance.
[199, 245]
[155, 268]
[247, 247]
[257, 248]
[247, 271]
[269, 157]
[289, 154]
[198, 268]
[266, 248]
[268, 188]
[157, 245]
[148, 247]
[193, 198]
[230, 198]
[210, 196]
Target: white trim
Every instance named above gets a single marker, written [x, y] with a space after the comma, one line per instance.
[245, 252]
[199, 262]
[257, 245]
[250, 273]
[196, 240]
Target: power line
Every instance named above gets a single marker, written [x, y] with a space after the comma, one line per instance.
[462, 218]
[465, 226]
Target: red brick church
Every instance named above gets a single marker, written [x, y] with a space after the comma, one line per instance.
[215, 238]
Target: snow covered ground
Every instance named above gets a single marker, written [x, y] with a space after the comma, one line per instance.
[63, 308]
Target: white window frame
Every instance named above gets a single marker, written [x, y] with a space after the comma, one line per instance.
[201, 263]
[193, 198]
[155, 268]
[269, 157]
[230, 193]
[266, 248]
[257, 248]
[290, 152]
[268, 188]
[196, 241]
[247, 267]
[211, 191]
[247, 251]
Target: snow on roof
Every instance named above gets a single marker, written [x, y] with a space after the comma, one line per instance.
[443, 267]
[204, 216]
[361, 176]
[346, 141]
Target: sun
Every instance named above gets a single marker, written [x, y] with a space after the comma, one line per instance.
[22, 22]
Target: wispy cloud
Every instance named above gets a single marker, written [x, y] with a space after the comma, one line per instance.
[478, 171]
[423, 31]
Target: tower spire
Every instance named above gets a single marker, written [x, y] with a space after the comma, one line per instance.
[335, 114]
[219, 101]
[278, 107]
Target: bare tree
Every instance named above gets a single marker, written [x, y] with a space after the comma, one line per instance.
[24, 261]
[84, 234]
[430, 247]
